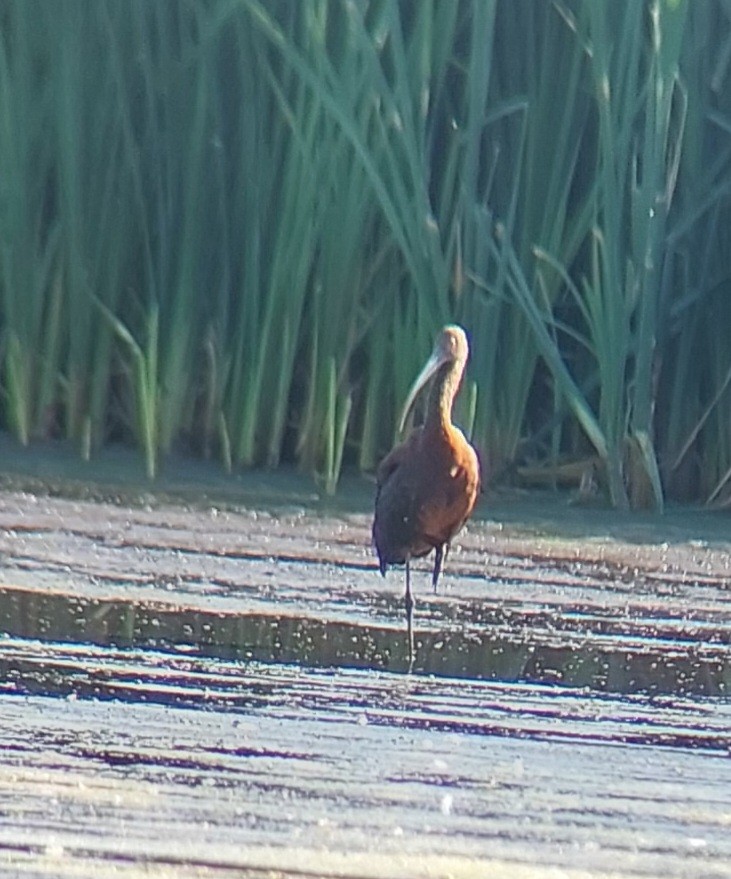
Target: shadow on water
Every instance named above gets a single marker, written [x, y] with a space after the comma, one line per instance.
[510, 653]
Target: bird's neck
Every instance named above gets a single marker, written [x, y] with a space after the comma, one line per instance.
[442, 394]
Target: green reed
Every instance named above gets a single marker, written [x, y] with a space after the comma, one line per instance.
[29, 258]
[236, 227]
[532, 122]
[622, 214]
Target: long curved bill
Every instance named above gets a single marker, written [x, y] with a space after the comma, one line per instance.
[430, 367]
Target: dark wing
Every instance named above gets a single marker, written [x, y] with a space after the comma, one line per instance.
[397, 458]
[396, 521]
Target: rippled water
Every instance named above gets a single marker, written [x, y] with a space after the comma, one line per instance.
[234, 680]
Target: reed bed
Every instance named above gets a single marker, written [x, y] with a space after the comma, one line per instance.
[234, 227]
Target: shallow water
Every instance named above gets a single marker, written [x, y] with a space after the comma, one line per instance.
[164, 759]
[215, 684]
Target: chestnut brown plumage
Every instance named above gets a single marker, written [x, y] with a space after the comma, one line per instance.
[428, 485]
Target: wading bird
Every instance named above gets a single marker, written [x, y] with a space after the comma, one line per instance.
[427, 485]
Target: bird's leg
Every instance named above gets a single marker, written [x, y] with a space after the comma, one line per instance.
[440, 556]
[409, 605]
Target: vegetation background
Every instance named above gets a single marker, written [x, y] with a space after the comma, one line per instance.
[235, 226]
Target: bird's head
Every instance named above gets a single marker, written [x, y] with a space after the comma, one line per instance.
[452, 347]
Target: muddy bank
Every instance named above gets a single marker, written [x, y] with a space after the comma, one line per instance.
[520, 602]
